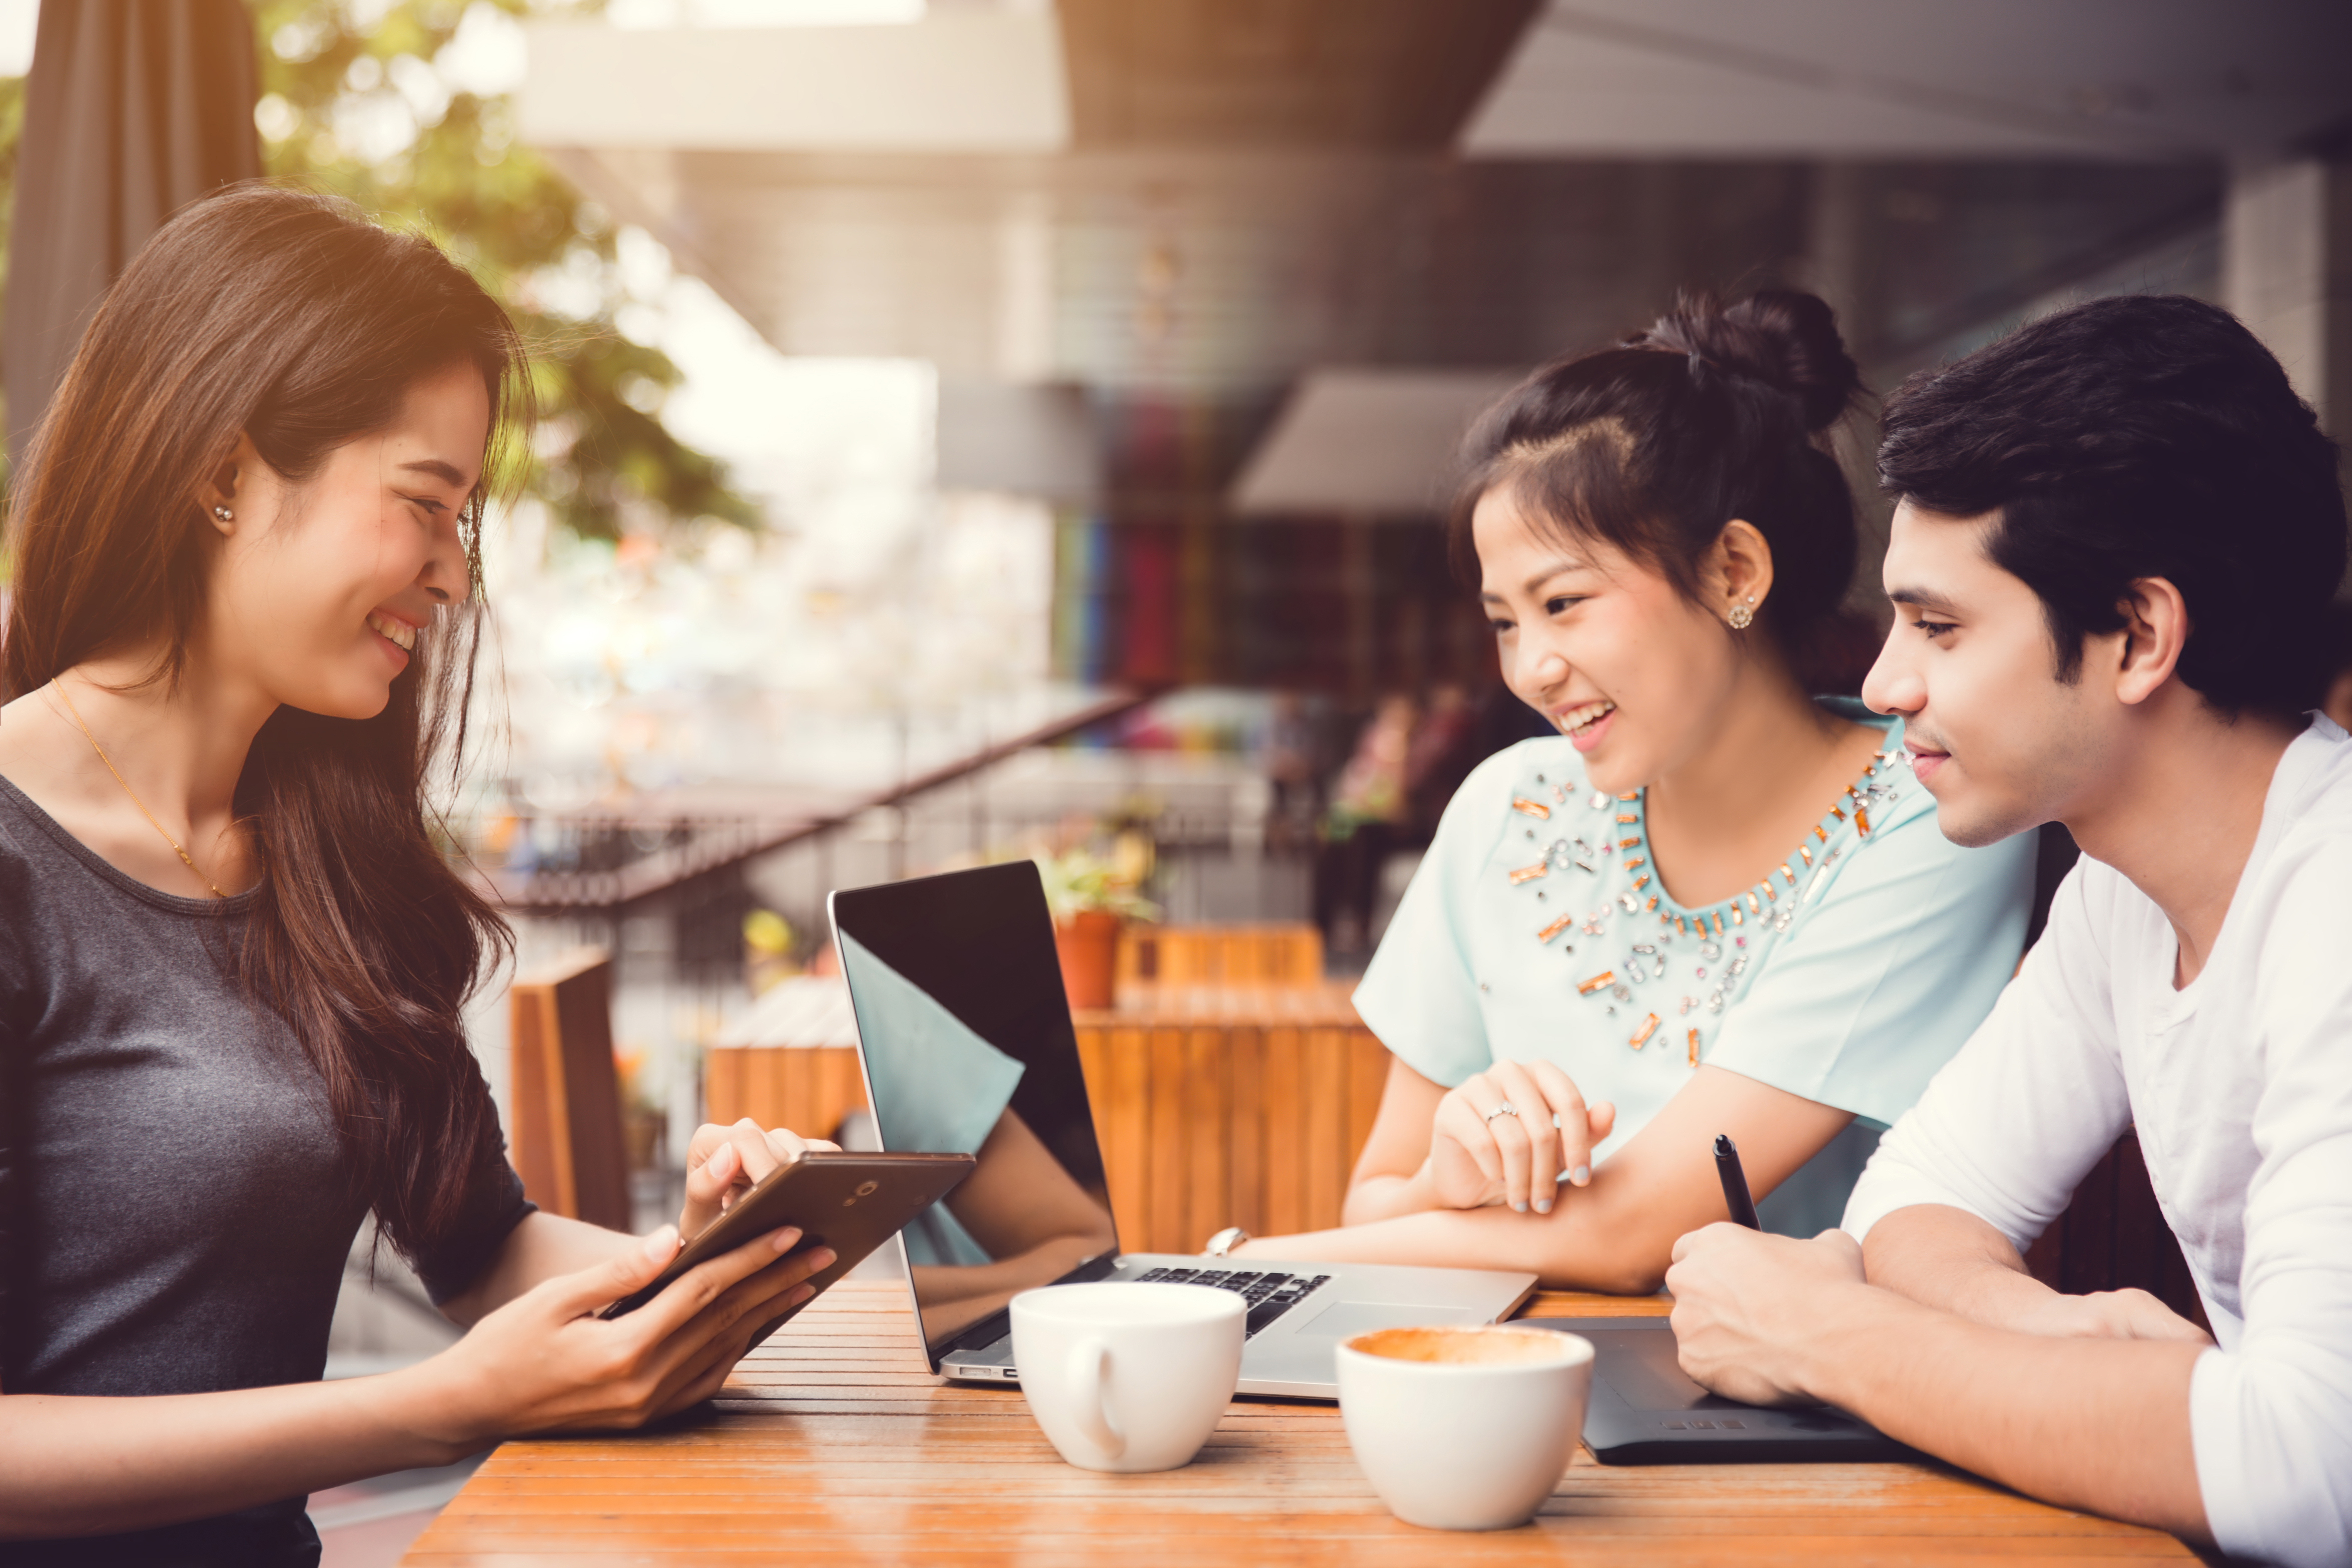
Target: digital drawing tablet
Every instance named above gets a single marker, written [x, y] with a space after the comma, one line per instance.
[1645, 1410]
[850, 1202]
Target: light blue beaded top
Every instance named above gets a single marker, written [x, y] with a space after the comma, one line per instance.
[1536, 928]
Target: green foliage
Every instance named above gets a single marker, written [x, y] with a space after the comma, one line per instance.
[1078, 881]
[12, 132]
[342, 81]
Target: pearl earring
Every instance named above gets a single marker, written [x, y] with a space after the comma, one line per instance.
[1743, 615]
[224, 513]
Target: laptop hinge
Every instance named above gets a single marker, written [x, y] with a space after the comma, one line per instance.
[999, 1324]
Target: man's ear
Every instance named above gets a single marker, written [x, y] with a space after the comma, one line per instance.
[2156, 628]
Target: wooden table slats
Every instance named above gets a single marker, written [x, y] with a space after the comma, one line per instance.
[832, 1443]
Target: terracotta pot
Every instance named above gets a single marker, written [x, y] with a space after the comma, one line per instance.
[641, 1132]
[1088, 946]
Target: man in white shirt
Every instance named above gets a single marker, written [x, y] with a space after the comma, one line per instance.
[2118, 534]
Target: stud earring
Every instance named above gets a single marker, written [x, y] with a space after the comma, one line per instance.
[224, 513]
[1743, 615]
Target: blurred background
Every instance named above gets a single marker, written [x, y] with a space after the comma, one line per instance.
[982, 428]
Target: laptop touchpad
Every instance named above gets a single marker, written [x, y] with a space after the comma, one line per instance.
[1342, 1319]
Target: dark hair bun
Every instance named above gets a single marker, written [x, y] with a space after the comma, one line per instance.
[1785, 339]
[1718, 412]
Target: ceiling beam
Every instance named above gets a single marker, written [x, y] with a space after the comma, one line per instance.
[1391, 75]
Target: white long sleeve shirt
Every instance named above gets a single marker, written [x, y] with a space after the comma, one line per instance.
[2240, 1084]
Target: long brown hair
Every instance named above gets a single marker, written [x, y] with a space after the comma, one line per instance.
[291, 318]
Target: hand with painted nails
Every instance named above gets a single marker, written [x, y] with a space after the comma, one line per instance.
[545, 1362]
[724, 1162]
[1513, 1134]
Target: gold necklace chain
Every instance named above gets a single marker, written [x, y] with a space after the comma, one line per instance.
[127, 790]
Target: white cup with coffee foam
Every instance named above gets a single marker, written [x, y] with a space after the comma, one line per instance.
[1127, 1376]
[1465, 1428]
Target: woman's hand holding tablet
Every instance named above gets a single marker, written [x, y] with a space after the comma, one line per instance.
[722, 1164]
[654, 1328]
[848, 1204]
[545, 1362]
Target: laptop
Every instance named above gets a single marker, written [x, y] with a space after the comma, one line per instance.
[1645, 1410]
[964, 1036]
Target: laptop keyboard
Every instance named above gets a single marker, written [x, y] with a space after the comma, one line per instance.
[1268, 1296]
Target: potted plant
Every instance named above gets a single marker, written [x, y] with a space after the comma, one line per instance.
[1090, 897]
[643, 1120]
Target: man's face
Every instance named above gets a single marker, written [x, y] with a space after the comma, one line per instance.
[2000, 743]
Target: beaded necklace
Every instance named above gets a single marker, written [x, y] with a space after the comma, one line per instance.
[1615, 825]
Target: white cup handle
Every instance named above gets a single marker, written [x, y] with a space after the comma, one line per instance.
[1090, 1374]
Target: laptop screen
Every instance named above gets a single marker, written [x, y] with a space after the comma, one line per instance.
[968, 1050]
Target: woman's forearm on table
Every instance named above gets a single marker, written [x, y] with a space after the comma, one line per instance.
[1585, 1246]
[89, 1466]
[1386, 1195]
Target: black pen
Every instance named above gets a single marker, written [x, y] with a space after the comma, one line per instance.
[1735, 1183]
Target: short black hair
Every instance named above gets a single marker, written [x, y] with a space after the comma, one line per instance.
[2135, 436]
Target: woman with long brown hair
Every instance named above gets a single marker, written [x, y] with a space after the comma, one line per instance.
[232, 953]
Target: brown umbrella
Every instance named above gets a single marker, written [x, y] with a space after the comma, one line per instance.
[135, 108]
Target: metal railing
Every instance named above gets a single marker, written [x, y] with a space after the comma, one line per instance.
[607, 861]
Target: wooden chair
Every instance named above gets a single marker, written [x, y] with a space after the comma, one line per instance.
[791, 1063]
[807, 1089]
[1284, 954]
[565, 1136]
[1246, 1105]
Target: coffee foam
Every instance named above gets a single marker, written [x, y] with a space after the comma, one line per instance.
[1485, 1345]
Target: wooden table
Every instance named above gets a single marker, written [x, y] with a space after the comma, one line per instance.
[833, 1444]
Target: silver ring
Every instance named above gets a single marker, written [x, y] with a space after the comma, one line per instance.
[1505, 1109]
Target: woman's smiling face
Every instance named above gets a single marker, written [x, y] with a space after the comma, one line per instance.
[1603, 646]
[321, 590]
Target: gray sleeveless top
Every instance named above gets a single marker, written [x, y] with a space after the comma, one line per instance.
[174, 1204]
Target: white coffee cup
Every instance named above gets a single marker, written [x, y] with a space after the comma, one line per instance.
[1127, 1377]
[1465, 1428]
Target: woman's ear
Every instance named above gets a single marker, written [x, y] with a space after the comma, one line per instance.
[1743, 563]
[219, 494]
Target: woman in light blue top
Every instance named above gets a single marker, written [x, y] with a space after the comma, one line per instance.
[1713, 904]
